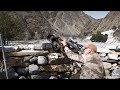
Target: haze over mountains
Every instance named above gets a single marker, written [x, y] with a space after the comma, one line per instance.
[66, 23]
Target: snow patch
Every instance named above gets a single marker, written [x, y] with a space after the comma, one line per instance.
[110, 39]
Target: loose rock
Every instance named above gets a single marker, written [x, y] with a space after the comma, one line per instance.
[42, 60]
[27, 58]
[33, 59]
[115, 64]
[113, 68]
[112, 61]
[55, 59]
[35, 77]
[33, 69]
[53, 77]
[116, 73]
[23, 71]
[118, 62]
[22, 77]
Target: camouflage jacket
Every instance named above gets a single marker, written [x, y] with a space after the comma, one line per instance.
[92, 65]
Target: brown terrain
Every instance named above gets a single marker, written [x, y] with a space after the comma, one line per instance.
[66, 23]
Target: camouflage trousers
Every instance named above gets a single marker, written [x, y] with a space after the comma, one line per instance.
[86, 73]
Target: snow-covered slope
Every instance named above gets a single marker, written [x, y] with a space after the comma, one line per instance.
[110, 39]
[111, 42]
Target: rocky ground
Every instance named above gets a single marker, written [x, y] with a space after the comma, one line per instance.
[51, 66]
[36, 63]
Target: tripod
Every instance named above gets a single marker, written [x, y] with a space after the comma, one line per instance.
[4, 59]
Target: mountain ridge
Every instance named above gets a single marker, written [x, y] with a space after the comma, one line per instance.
[65, 23]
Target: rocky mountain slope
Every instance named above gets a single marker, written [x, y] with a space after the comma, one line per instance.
[67, 23]
[112, 19]
[70, 22]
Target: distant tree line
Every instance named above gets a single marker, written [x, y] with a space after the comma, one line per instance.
[12, 28]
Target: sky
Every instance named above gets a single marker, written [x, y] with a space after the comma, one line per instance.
[97, 14]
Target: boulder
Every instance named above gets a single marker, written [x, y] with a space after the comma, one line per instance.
[118, 62]
[115, 64]
[27, 58]
[115, 67]
[53, 77]
[42, 60]
[33, 59]
[116, 74]
[112, 61]
[35, 77]
[22, 77]
[104, 58]
[107, 65]
[52, 57]
[113, 56]
[33, 69]
[55, 59]
[22, 71]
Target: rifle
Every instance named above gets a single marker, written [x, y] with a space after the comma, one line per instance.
[57, 47]
[74, 46]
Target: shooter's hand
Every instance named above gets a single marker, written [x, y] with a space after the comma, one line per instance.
[64, 43]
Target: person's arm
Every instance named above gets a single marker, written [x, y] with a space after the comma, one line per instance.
[73, 56]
